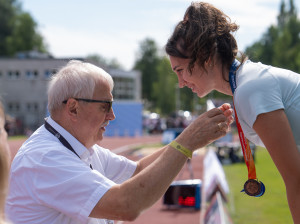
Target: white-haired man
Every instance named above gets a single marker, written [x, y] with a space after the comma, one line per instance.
[61, 175]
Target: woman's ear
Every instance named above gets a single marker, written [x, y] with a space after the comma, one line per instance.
[209, 63]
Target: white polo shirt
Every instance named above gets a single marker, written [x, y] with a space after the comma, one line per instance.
[50, 184]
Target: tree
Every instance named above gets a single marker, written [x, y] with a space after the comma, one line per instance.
[147, 62]
[24, 36]
[18, 30]
[164, 88]
[100, 60]
[7, 14]
[280, 45]
[287, 46]
[263, 50]
[159, 82]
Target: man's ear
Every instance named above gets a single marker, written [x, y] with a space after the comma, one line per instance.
[72, 108]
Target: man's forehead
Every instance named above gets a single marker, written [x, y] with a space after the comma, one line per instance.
[103, 90]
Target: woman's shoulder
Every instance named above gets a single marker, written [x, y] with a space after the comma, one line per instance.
[255, 76]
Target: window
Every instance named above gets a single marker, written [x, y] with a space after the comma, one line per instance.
[35, 74]
[32, 74]
[14, 106]
[124, 88]
[29, 74]
[28, 107]
[10, 74]
[17, 74]
[32, 107]
[36, 106]
[13, 74]
[47, 74]
[10, 106]
[17, 106]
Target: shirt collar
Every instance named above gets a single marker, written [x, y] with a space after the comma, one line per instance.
[79, 148]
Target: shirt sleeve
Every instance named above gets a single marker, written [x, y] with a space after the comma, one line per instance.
[68, 185]
[257, 96]
[117, 168]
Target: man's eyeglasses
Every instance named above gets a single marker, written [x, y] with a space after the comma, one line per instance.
[108, 103]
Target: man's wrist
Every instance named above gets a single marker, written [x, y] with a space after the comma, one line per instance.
[185, 151]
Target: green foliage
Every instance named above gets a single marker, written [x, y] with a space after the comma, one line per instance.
[111, 63]
[148, 62]
[280, 45]
[24, 36]
[272, 207]
[18, 30]
[187, 98]
[160, 90]
[7, 13]
[164, 87]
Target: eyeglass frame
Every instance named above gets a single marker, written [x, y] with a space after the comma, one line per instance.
[92, 101]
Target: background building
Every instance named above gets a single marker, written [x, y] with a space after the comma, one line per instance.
[23, 89]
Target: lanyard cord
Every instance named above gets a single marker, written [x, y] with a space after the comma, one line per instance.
[244, 141]
[251, 187]
[61, 139]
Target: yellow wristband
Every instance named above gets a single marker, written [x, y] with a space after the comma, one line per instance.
[188, 153]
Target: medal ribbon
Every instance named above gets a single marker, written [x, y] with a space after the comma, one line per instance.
[244, 141]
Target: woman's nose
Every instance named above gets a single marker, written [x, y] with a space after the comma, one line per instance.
[181, 83]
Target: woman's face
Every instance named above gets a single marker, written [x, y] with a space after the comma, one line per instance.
[200, 81]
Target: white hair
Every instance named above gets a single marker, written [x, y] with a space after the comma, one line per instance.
[76, 79]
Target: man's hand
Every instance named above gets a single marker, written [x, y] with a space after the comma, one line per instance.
[207, 127]
[228, 112]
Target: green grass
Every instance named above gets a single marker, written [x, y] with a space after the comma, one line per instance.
[272, 207]
[17, 137]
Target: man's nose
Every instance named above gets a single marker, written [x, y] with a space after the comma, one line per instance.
[110, 115]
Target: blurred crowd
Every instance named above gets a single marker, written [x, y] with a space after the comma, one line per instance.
[153, 123]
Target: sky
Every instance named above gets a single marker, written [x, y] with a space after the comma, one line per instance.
[116, 28]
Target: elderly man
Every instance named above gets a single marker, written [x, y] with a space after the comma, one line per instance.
[60, 175]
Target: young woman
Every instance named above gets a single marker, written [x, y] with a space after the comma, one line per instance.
[202, 53]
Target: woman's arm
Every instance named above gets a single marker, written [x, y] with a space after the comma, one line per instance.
[274, 130]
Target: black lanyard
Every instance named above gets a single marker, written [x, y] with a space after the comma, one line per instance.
[61, 139]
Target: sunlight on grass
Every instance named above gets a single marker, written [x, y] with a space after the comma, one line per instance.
[17, 137]
[272, 207]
